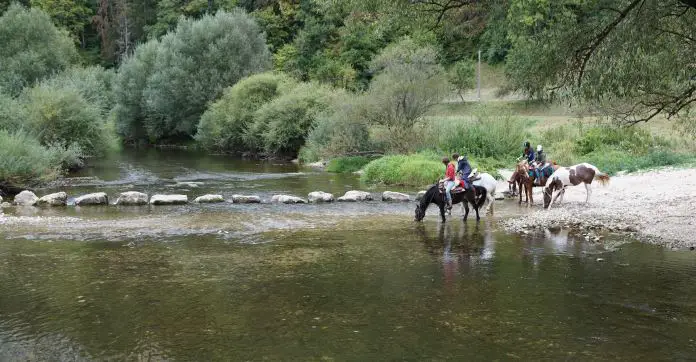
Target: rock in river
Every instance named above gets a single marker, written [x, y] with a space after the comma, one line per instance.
[287, 199]
[320, 196]
[168, 199]
[209, 199]
[97, 198]
[57, 199]
[356, 196]
[395, 196]
[246, 199]
[420, 195]
[132, 198]
[25, 198]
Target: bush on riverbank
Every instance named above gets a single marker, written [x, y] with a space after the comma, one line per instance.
[26, 162]
[348, 164]
[164, 88]
[225, 122]
[59, 115]
[412, 170]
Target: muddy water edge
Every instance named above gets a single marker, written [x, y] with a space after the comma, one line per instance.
[355, 281]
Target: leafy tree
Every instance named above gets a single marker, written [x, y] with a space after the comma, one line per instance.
[289, 118]
[59, 115]
[41, 50]
[186, 70]
[409, 82]
[128, 88]
[224, 124]
[633, 58]
[72, 15]
[461, 76]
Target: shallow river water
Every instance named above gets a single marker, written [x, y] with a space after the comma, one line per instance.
[319, 282]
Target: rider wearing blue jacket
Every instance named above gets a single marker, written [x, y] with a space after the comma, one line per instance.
[528, 152]
[463, 168]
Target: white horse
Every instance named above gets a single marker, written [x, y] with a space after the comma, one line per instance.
[488, 182]
[572, 176]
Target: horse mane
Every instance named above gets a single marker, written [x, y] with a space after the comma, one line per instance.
[429, 195]
[603, 179]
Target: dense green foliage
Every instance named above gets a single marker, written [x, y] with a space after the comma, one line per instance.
[184, 71]
[347, 164]
[226, 124]
[415, 170]
[31, 48]
[633, 59]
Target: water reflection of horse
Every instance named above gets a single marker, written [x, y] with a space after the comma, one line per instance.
[459, 249]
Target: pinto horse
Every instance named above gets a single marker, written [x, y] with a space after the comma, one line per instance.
[433, 195]
[526, 182]
[572, 176]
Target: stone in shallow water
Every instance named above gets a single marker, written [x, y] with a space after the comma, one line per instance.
[499, 196]
[395, 196]
[97, 198]
[320, 196]
[5, 205]
[25, 198]
[132, 198]
[56, 199]
[168, 199]
[209, 199]
[246, 199]
[354, 195]
[420, 195]
[287, 199]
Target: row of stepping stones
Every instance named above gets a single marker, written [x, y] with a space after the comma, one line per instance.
[134, 198]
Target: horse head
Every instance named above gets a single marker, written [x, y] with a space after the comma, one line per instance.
[420, 213]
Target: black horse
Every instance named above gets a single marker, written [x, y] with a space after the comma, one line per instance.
[433, 195]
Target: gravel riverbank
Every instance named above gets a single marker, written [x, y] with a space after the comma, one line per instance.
[658, 206]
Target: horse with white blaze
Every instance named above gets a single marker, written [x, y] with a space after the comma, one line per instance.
[572, 176]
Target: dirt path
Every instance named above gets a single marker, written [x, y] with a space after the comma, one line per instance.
[660, 206]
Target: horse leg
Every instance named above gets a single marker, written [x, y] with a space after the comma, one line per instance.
[531, 190]
[588, 187]
[442, 213]
[562, 193]
[478, 218]
[465, 203]
[519, 188]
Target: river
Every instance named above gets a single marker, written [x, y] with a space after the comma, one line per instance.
[328, 282]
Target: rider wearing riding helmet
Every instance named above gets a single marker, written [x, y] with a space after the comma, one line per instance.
[528, 152]
[463, 169]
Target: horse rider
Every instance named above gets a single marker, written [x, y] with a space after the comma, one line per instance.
[450, 177]
[540, 163]
[528, 153]
[463, 169]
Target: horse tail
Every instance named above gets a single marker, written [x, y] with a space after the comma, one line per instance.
[601, 177]
[482, 196]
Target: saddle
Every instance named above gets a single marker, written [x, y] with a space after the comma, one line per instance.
[456, 190]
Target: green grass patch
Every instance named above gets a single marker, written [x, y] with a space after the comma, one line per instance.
[411, 170]
[613, 161]
[347, 164]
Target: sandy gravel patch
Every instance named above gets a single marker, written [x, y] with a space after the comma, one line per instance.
[659, 206]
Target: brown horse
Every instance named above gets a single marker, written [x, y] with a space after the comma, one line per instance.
[527, 183]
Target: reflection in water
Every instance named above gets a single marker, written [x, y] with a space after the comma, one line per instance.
[319, 282]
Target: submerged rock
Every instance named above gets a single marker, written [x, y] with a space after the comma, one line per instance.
[209, 199]
[132, 198]
[56, 199]
[5, 205]
[188, 184]
[287, 199]
[168, 199]
[395, 196]
[25, 198]
[499, 196]
[246, 199]
[420, 195]
[320, 196]
[97, 198]
[354, 195]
